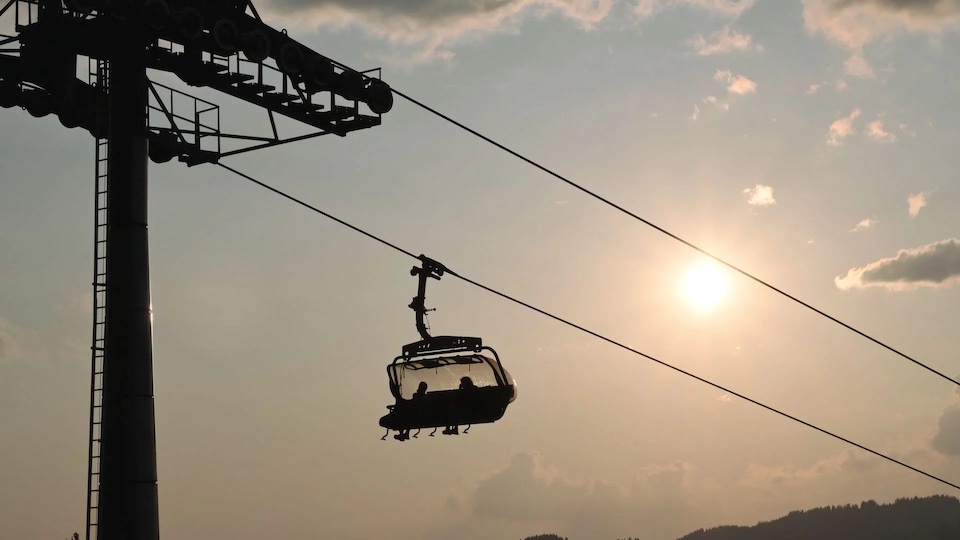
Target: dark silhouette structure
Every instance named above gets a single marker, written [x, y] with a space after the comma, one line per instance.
[221, 44]
[456, 384]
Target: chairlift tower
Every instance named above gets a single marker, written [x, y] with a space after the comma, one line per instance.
[219, 44]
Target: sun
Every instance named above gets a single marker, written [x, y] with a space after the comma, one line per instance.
[704, 286]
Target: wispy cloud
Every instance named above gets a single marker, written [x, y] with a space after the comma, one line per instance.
[420, 31]
[855, 23]
[760, 195]
[916, 202]
[857, 66]
[932, 265]
[906, 130]
[736, 84]
[713, 100]
[842, 128]
[721, 41]
[695, 115]
[722, 8]
[839, 85]
[863, 225]
[876, 131]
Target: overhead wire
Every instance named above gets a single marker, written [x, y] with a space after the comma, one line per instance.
[669, 234]
[595, 334]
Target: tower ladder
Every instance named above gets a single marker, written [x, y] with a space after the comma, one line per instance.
[99, 73]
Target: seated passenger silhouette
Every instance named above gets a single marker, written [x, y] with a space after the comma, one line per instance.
[417, 399]
[466, 383]
[421, 391]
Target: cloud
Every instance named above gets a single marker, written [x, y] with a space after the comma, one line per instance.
[723, 8]
[855, 23]
[736, 84]
[529, 496]
[721, 41]
[946, 440]
[9, 348]
[760, 195]
[695, 115]
[842, 128]
[863, 225]
[857, 66]
[712, 100]
[661, 500]
[840, 85]
[420, 31]
[916, 203]
[932, 265]
[742, 85]
[426, 30]
[786, 476]
[65, 336]
[876, 131]
[905, 129]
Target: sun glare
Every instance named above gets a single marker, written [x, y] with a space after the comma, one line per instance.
[704, 286]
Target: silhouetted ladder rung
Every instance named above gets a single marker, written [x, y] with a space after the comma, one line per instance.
[307, 107]
[256, 88]
[235, 77]
[216, 68]
[276, 97]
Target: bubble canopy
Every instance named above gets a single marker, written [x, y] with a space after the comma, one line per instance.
[446, 373]
[448, 390]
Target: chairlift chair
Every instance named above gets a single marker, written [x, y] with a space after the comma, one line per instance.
[444, 381]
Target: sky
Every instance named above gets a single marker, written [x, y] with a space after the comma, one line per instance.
[813, 143]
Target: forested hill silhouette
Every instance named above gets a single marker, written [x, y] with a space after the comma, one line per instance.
[930, 518]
